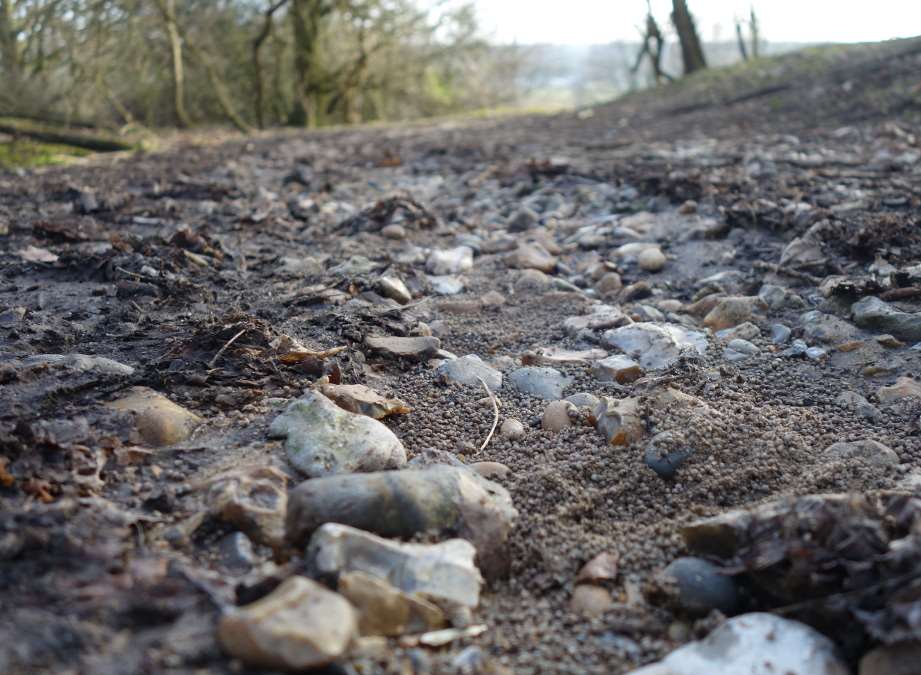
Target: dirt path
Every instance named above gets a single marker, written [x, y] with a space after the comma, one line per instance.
[194, 270]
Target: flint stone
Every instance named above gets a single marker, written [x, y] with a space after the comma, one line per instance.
[600, 317]
[467, 369]
[754, 644]
[388, 611]
[81, 362]
[540, 382]
[872, 451]
[702, 587]
[871, 312]
[531, 256]
[827, 328]
[617, 368]
[323, 439]
[619, 420]
[442, 572]
[405, 503]
[665, 454]
[730, 312]
[904, 387]
[415, 348]
[446, 284]
[395, 289]
[299, 625]
[656, 345]
[450, 261]
[159, 421]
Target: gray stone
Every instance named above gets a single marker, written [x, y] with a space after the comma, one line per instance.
[651, 259]
[754, 644]
[816, 353]
[299, 625]
[236, 551]
[540, 382]
[856, 402]
[323, 439]
[904, 387]
[656, 345]
[600, 317]
[450, 261]
[385, 610]
[583, 400]
[415, 348]
[780, 333]
[511, 429]
[827, 328]
[531, 256]
[405, 503]
[556, 416]
[523, 219]
[446, 284]
[773, 296]
[252, 499]
[467, 369]
[739, 350]
[442, 572]
[744, 331]
[80, 362]
[666, 453]
[395, 289]
[871, 312]
[702, 587]
[871, 451]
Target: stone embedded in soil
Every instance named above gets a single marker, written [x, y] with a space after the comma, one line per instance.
[323, 439]
[362, 400]
[405, 503]
[618, 420]
[589, 600]
[556, 416]
[904, 388]
[739, 350]
[468, 370]
[583, 399]
[531, 256]
[598, 318]
[651, 260]
[871, 451]
[666, 453]
[780, 333]
[856, 402]
[446, 284]
[299, 625]
[754, 644]
[730, 312]
[701, 586]
[442, 572]
[540, 382]
[450, 261]
[158, 420]
[386, 610]
[414, 348]
[394, 288]
[871, 312]
[254, 499]
[80, 362]
[826, 328]
[603, 567]
[617, 368]
[901, 658]
[554, 355]
[511, 429]
[655, 345]
[744, 331]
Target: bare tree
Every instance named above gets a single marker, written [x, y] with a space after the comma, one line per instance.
[168, 11]
[692, 52]
[740, 38]
[653, 46]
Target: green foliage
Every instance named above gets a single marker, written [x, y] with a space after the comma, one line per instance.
[24, 154]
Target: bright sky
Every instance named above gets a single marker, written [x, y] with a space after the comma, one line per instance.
[599, 21]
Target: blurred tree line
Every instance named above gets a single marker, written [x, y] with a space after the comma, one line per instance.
[252, 63]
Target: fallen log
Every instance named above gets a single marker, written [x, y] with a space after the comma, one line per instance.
[72, 137]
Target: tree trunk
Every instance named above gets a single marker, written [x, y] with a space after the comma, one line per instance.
[692, 53]
[168, 10]
[306, 16]
[741, 39]
[72, 138]
[257, 43]
[756, 34]
[9, 44]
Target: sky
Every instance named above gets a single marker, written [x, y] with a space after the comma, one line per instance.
[600, 21]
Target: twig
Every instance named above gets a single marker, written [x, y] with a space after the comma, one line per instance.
[777, 269]
[495, 407]
[224, 348]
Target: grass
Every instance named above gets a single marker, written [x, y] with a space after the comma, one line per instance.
[24, 154]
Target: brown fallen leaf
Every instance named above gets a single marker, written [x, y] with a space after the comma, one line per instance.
[358, 398]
